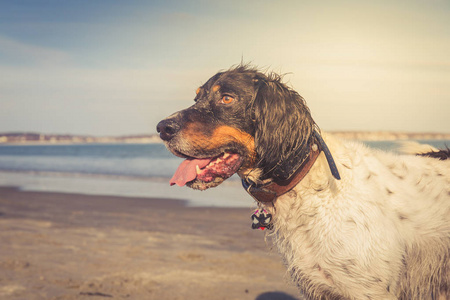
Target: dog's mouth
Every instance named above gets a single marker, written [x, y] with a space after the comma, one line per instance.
[203, 173]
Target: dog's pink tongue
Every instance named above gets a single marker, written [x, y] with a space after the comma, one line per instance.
[187, 170]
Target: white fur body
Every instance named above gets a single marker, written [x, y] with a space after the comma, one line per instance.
[381, 232]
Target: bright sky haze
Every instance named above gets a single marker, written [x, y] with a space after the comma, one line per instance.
[118, 67]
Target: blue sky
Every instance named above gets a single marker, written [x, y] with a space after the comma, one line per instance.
[118, 67]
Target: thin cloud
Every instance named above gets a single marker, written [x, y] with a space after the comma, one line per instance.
[16, 51]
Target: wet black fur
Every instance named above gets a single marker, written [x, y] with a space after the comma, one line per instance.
[283, 128]
[440, 154]
[275, 115]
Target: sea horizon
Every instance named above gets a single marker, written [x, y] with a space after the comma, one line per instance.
[36, 138]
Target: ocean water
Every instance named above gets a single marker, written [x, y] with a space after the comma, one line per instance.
[132, 160]
[134, 170]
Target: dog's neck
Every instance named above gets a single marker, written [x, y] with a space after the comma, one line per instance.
[267, 193]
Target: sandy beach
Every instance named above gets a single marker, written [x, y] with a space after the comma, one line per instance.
[70, 246]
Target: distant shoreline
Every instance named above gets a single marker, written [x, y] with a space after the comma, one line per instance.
[25, 138]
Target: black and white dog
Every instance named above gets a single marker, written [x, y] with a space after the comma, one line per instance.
[350, 222]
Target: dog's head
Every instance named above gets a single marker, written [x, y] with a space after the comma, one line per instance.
[242, 120]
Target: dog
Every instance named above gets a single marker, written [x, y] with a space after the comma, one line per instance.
[350, 222]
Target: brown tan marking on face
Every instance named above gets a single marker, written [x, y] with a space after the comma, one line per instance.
[231, 134]
[198, 91]
[215, 88]
[221, 136]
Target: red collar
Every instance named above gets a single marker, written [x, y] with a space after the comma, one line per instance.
[273, 190]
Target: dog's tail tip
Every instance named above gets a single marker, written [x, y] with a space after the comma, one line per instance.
[415, 148]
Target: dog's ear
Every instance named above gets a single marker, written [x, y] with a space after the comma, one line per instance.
[283, 128]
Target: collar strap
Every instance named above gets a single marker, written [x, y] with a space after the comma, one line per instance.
[329, 157]
[269, 192]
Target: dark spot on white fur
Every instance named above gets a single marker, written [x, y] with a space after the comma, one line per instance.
[346, 166]
[351, 220]
[366, 225]
[370, 175]
[402, 217]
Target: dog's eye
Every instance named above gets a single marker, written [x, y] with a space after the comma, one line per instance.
[227, 99]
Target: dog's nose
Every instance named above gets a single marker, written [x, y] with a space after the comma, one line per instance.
[167, 129]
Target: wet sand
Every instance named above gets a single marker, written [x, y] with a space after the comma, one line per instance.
[70, 246]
